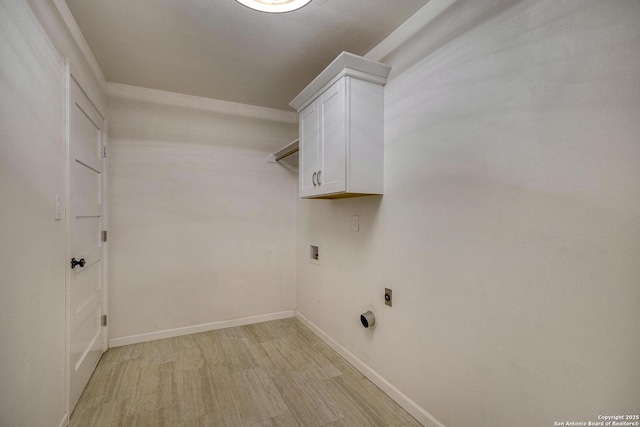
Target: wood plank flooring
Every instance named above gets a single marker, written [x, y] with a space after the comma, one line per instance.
[275, 373]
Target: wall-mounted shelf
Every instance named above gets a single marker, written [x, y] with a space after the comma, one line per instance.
[285, 151]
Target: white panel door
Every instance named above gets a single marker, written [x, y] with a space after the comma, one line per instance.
[309, 150]
[86, 334]
[333, 169]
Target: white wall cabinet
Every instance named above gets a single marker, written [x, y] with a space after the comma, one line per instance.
[341, 116]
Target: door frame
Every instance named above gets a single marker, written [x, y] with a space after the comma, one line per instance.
[70, 78]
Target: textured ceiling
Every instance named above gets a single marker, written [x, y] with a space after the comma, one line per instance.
[223, 50]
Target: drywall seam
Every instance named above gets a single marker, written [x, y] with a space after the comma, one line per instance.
[205, 327]
[419, 413]
[408, 29]
[161, 97]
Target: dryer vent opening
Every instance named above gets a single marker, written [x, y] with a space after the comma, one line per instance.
[368, 320]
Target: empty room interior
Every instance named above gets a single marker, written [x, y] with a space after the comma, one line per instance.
[319, 213]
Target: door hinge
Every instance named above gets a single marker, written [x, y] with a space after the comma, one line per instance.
[104, 235]
[104, 320]
[104, 151]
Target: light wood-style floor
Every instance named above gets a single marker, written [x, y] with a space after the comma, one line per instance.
[275, 373]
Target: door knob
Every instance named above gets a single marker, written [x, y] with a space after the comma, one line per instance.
[81, 263]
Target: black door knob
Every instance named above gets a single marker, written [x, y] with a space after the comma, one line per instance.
[80, 263]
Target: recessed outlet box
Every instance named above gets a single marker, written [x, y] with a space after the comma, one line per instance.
[314, 253]
[388, 296]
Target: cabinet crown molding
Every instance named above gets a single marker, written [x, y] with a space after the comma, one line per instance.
[346, 64]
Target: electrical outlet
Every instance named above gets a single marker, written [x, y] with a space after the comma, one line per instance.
[355, 223]
[314, 253]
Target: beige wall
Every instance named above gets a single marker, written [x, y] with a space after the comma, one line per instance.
[202, 228]
[32, 251]
[509, 230]
[34, 39]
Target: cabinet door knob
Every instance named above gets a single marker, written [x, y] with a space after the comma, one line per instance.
[313, 178]
[318, 178]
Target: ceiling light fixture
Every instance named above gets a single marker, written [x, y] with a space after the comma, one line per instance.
[274, 6]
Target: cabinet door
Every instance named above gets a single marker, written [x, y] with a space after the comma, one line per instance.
[309, 149]
[333, 139]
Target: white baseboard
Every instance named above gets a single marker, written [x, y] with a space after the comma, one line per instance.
[419, 413]
[65, 421]
[169, 333]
